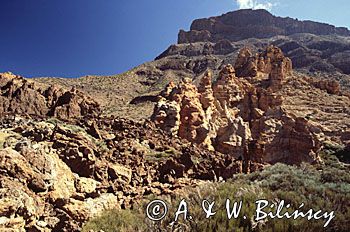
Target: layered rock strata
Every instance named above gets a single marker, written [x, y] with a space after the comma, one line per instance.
[247, 23]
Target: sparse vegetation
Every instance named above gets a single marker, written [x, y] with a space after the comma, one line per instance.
[157, 156]
[323, 187]
[74, 128]
[53, 121]
[101, 144]
[116, 220]
[3, 136]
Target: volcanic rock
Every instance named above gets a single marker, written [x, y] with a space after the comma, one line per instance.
[54, 175]
[316, 47]
[244, 24]
[272, 61]
[238, 117]
[61, 162]
[22, 96]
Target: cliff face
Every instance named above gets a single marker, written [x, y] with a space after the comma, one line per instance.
[244, 24]
[312, 46]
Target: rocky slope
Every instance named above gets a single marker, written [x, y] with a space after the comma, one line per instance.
[324, 53]
[54, 175]
[311, 45]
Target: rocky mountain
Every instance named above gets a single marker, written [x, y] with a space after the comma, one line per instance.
[323, 56]
[239, 93]
[311, 45]
[245, 24]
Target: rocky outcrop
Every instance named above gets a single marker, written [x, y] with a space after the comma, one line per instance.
[57, 174]
[240, 117]
[194, 36]
[22, 96]
[246, 64]
[186, 107]
[244, 24]
[331, 86]
[341, 60]
[272, 61]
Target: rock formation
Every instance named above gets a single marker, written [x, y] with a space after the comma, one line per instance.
[241, 117]
[187, 107]
[244, 24]
[22, 96]
[246, 64]
[62, 162]
[271, 61]
[331, 86]
[318, 47]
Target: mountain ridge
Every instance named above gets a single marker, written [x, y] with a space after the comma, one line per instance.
[247, 23]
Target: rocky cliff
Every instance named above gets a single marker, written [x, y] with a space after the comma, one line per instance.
[312, 46]
[244, 24]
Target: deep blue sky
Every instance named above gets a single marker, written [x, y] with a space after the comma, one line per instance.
[71, 38]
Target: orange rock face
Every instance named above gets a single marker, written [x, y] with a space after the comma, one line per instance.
[246, 64]
[240, 116]
[271, 61]
[331, 86]
[180, 112]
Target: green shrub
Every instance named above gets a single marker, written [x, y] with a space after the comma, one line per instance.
[115, 220]
[323, 187]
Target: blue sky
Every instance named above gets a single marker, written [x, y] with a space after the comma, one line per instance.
[71, 38]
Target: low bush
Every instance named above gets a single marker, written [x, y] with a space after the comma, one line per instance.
[323, 187]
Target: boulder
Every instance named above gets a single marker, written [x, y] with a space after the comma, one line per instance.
[81, 211]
